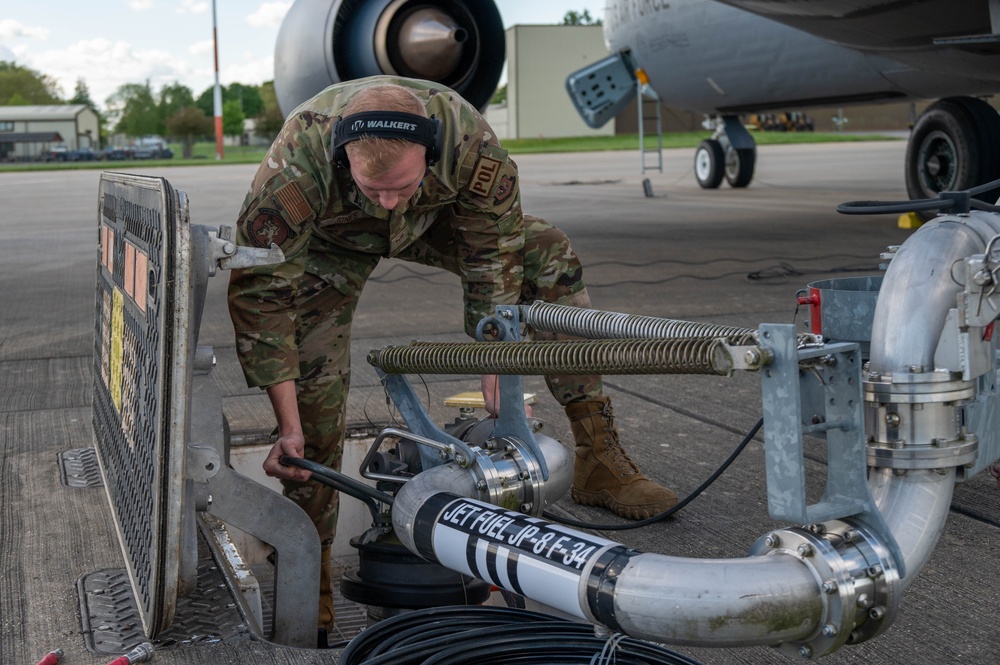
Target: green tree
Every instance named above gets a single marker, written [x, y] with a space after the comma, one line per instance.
[500, 96]
[134, 110]
[269, 121]
[81, 95]
[187, 125]
[173, 98]
[580, 18]
[22, 85]
[206, 101]
[247, 97]
[17, 99]
[232, 118]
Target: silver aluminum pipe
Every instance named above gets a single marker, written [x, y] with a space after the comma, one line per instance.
[751, 601]
[811, 591]
[921, 285]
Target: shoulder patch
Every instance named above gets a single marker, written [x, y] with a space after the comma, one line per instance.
[504, 189]
[484, 175]
[268, 227]
[294, 202]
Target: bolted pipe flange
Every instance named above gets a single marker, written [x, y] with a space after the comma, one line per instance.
[509, 475]
[856, 578]
[939, 455]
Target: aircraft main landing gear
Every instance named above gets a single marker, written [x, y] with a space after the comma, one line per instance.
[955, 145]
[731, 153]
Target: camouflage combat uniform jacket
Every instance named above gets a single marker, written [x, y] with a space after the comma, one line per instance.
[299, 197]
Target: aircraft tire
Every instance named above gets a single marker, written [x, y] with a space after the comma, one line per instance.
[739, 166]
[709, 164]
[954, 145]
[988, 127]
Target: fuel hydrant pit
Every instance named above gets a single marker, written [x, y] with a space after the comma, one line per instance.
[390, 580]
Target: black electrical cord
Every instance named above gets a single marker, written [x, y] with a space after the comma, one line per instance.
[666, 513]
[956, 202]
[485, 635]
[782, 270]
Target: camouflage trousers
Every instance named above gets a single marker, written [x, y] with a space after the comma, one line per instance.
[552, 273]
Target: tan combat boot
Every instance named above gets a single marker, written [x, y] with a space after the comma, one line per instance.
[603, 473]
[325, 596]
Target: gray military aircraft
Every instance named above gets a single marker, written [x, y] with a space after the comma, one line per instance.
[724, 58]
[459, 43]
[732, 57]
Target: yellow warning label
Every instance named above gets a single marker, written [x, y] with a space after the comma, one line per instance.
[105, 336]
[117, 344]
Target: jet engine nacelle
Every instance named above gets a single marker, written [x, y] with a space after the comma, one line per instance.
[458, 43]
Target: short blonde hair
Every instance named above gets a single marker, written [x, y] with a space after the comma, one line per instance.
[373, 156]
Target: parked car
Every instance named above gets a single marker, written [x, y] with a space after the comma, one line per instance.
[84, 154]
[116, 153]
[59, 153]
[153, 152]
[127, 152]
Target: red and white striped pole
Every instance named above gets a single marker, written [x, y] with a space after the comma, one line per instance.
[217, 95]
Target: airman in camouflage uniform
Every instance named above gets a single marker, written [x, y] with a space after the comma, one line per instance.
[293, 320]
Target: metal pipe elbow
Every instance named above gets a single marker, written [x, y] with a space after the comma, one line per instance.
[521, 484]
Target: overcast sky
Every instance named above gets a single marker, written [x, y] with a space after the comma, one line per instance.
[110, 42]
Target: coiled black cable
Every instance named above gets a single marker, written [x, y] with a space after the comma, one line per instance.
[956, 203]
[497, 636]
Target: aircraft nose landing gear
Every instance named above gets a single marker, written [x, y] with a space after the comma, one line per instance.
[731, 153]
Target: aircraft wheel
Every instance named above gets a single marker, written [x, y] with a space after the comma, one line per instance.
[709, 164]
[955, 145]
[739, 166]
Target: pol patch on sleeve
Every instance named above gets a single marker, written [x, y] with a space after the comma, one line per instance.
[484, 175]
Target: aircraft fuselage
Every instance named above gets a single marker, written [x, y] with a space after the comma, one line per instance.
[706, 56]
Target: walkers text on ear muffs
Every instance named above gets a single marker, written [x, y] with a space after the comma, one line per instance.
[389, 125]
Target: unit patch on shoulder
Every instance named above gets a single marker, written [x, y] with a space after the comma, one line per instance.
[484, 175]
[504, 189]
[268, 227]
[294, 202]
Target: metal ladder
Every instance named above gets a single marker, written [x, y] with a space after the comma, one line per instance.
[650, 110]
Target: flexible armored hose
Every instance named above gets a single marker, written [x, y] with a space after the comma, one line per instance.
[702, 355]
[598, 324]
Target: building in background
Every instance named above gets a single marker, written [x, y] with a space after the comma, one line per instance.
[31, 132]
[539, 57]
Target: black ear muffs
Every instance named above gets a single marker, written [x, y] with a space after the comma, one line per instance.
[388, 125]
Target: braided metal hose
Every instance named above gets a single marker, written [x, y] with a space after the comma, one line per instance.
[596, 324]
[702, 355]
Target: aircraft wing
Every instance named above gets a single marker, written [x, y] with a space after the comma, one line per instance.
[929, 34]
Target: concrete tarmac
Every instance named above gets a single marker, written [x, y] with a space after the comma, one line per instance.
[734, 257]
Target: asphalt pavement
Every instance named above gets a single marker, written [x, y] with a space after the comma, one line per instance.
[734, 257]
